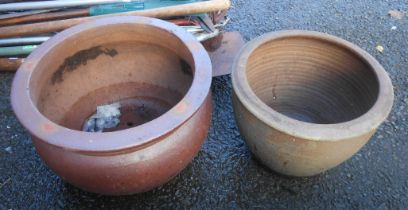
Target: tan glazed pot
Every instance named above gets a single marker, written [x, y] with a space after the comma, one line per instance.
[160, 74]
[307, 101]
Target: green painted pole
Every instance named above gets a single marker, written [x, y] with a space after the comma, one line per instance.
[17, 50]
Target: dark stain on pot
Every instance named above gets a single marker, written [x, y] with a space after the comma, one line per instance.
[80, 58]
[274, 92]
[144, 113]
[274, 87]
[185, 68]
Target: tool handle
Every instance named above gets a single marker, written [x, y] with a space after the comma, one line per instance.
[105, 9]
[52, 26]
[115, 8]
[43, 17]
[10, 64]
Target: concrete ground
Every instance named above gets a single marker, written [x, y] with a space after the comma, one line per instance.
[224, 175]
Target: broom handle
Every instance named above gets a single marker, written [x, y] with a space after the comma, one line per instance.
[10, 64]
[44, 17]
[179, 10]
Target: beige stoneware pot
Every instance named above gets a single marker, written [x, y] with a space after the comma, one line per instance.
[306, 101]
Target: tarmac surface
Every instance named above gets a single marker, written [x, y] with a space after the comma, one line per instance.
[225, 175]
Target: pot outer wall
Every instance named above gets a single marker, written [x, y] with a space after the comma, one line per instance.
[291, 155]
[134, 170]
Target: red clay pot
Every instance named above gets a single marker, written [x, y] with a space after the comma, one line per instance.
[159, 73]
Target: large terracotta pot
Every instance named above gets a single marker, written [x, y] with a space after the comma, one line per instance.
[158, 72]
[307, 101]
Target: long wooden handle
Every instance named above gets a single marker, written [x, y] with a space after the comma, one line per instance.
[44, 17]
[52, 26]
[11, 65]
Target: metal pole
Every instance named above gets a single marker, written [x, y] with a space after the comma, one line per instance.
[53, 4]
[23, 41]
[17, 50]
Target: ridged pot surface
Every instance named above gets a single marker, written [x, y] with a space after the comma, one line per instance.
[307, 101]
[161, 76]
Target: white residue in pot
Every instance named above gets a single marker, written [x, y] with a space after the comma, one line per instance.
[107, 116]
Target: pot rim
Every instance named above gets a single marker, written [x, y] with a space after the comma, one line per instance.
[356, 127]
[137, 137]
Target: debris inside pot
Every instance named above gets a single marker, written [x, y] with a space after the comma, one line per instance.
[106, 116]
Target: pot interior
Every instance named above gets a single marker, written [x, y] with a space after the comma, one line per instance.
[146, 69]
[312, 80]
